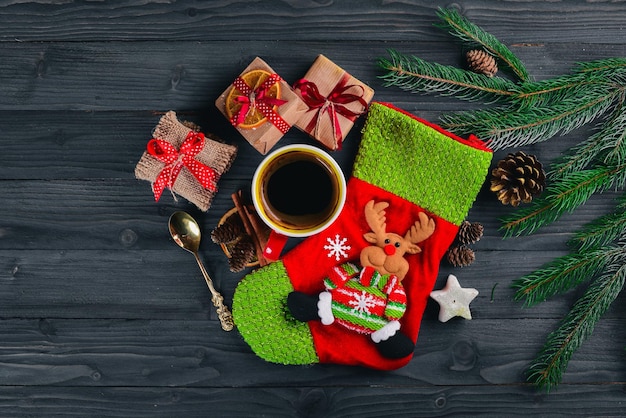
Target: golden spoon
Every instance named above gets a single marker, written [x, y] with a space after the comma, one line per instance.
[186, 233]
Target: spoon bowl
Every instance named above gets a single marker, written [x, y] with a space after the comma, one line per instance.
[186, 233]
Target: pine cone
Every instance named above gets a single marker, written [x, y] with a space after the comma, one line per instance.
[460, 256]
[469, 232]
[242, 253]
[230, 230]
[481, 62]
[517, 178]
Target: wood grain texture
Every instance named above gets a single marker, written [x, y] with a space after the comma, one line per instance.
[158, 75]
[317, 402]
[197, 353]
[112, 284]
[101, 314]
[305, 19]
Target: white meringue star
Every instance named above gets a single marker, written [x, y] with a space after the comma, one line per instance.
[454, 300]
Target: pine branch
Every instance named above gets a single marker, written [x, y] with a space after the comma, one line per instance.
[576, 327]
[515, 127]
[561, 197]
[613, 144]
[564, 273]
[602, 231]
[607, 146]
[566, 87]
[586, 78]
[417, 75]
[475, 37]
[611, 67]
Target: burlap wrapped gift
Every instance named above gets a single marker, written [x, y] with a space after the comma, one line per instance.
[184, 160]
[271, 99]
[335, 100]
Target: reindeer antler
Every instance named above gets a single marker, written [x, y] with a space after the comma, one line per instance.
[422, 229]
[375, 216]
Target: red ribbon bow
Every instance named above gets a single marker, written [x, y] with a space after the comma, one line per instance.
[175, 160]
[257, 99]
[333, 104]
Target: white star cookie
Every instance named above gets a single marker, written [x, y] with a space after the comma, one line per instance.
[454, 300]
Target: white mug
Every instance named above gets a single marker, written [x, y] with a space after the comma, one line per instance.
[297, 190]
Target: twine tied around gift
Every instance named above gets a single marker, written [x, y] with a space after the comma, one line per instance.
[256, 98]
[175, 160]
[333, 104]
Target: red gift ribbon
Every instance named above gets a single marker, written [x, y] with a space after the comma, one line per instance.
[175, 160]
[257, 99]
[333, 104]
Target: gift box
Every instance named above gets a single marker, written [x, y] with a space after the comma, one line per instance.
[335, 99]
[260, 105]
[184, 160]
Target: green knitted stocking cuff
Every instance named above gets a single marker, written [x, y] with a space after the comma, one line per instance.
[421, 163]
[264, 321]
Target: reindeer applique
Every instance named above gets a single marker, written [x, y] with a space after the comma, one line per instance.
[371, 299]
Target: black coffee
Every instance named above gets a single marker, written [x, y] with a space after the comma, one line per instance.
[300, 188]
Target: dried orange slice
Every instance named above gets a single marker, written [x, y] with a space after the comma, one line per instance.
[254, 117]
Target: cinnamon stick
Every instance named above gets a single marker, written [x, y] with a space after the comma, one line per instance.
[260, 230]
[238, 200]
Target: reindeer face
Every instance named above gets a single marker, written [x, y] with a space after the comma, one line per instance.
[386, 254]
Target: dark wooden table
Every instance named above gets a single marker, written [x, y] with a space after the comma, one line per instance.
[102, 315]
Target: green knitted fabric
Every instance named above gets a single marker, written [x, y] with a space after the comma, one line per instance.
[412, 160]
[264, 321]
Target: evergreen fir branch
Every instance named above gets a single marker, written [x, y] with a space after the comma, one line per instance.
[415, 75]
[609, 66]
[547, 369]
[514, 127]
[566, 87]
[473, 37]
[560, 197]
[607, 146]
[564, 273]
[600, 232]
[579, 158]
[614, 140]
[621, 203]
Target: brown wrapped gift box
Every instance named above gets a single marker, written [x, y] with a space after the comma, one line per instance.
[326, 115]
[214, 154]
[266, 135]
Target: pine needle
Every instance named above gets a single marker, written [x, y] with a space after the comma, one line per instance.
[611, 67]
[515, 127]
[607, 146]
[564, 273]
[474, 37]
[576, 327]
[602, 231]
[559, 198]
[566, 87]
[416, 75]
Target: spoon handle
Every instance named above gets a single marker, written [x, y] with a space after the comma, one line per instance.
[224, 315]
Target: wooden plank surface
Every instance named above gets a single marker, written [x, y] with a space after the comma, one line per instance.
[102, 315]
[601, 21]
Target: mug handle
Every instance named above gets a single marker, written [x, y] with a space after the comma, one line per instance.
[275, 244]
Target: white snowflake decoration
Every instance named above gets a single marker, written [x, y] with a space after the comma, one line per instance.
[363, 302]
[337, 247]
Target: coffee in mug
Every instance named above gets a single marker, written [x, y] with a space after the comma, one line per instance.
[298, 190]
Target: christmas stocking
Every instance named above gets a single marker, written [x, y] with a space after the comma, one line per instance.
[335, 298]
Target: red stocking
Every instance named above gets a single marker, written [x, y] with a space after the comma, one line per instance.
[416, 168]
